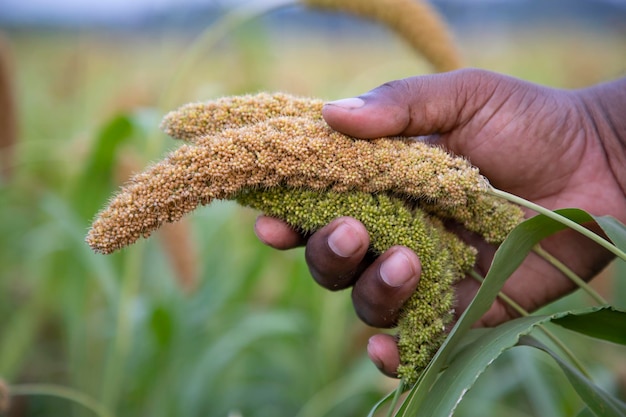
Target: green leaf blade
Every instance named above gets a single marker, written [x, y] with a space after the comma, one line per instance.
[95, 182]
[470, 363]
[606, 323]
[601, 403]
[615, 230]
[467, 366]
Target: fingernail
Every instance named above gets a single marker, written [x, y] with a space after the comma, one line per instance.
[397, 270]
[343, 241]
[373, 354]
[348, 103]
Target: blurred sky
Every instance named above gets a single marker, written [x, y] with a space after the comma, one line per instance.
[128, 10]
[96, 10]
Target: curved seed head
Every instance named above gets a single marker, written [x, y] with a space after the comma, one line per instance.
[196, 120]
[295, 167]
[389, 221]
[297, 152]
[416, 21]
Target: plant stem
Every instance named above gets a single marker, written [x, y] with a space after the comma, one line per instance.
[570, 274]
[62, 392]
[396, 398]
[559, 218]
[508, 300]
[524, 313]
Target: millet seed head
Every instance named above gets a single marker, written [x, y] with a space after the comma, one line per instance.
[196, 120]
[416, 21]
[389, 221]
[276, 154]
[297, 152]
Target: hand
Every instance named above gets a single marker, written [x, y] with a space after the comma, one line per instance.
[548, 146]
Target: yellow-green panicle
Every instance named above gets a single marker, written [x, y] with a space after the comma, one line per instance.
[389, 221]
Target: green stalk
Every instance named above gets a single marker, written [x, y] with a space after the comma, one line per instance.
[524, 313]
[62, 392]
[570, 274]
[561, 219]
[396, 398]
[508, 300]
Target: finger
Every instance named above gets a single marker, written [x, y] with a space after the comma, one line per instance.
[384, 287]
[336, 253]
[413, 106]
[383, 351]
[276, 233]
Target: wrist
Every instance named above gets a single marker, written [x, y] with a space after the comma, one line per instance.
[605, 107]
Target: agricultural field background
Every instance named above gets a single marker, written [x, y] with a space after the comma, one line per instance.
[202, 319]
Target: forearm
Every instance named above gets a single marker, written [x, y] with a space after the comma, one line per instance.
[606, 106]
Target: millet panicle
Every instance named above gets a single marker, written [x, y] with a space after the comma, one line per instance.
[415, 21]
[275, 153]
[389, 221]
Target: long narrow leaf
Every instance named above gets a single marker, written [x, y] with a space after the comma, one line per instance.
[382, 402]
[585, 412]
[606, 323]
[95, 183]
[508, 257]
[599, 401]
[218, 356]
[469, 364]
[615, 230]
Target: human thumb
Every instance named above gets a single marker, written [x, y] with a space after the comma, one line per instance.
[415, 106]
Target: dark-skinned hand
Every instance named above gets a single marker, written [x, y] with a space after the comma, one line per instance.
[554, 147]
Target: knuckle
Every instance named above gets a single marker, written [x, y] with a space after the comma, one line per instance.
[374, 314]
[400, 87]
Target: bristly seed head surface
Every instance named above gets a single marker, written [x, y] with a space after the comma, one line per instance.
[274, 152]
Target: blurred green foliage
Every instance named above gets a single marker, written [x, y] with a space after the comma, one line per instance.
[254, 336]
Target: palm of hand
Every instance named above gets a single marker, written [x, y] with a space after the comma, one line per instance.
[538, 143]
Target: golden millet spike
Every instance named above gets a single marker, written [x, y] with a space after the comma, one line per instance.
[196, 120]
[414, 20]
[289, 163]
[389, 221]
[292, 151]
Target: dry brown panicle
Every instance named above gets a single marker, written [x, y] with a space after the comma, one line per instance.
[197, 120]
[176, 238]
[289, 151]
[177, 242]
[416, 21]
